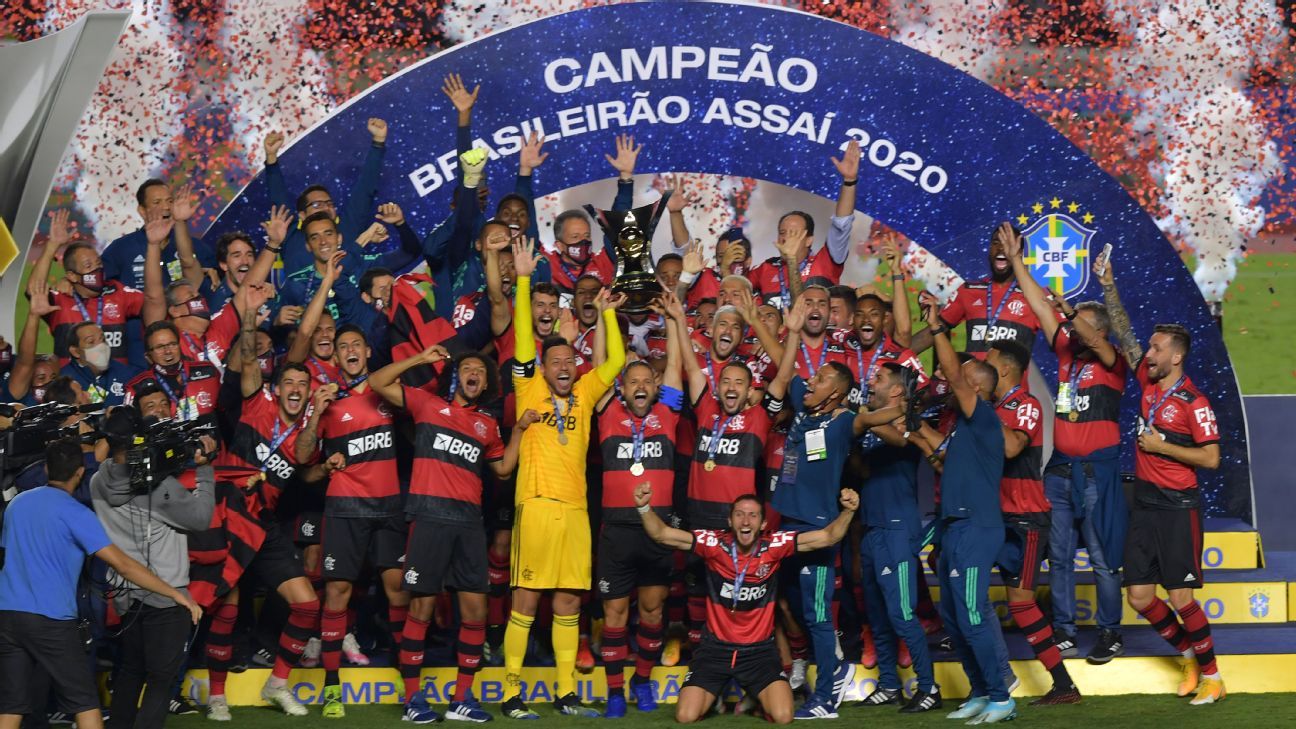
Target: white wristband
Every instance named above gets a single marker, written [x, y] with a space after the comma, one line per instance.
[687, 278]
[644, 509]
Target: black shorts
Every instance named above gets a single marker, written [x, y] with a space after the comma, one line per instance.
[1164, 547]
[441, 556]
[629, 558]
[306, 528]
[497, 507]
[1025, 547]
[350, 541]
[276, 562]
[754, 667]
[28, 641]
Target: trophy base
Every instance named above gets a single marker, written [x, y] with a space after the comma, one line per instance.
[640, 290]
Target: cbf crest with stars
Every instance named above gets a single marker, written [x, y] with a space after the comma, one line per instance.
[1056, 249]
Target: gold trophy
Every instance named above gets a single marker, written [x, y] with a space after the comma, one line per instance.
[632, 231]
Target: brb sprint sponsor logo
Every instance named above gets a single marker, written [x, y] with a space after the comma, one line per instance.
[648, 450]
[369, 442]
[274, 463]
[745, 594]
[456, 447]
[727, 446]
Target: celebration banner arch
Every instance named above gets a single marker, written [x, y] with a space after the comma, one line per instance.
[771, 93]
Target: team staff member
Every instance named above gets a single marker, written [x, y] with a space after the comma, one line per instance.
[191, 387]
[972, 529]
[1026, 513]
[454, 443]
[46, 538]
[362, 523]
[742, 566]
[1177, 435]
[637, 429]
[1082, 479]
[551, 539]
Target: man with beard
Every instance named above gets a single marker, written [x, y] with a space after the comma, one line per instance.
[637, 428]
[324, 241]
[817, 344]
[870, 348]
[455, 443]
[239, 262]
[551, 539]
[1177, 434]
[772, 278]
[573, 256]
[93, 297]
[741, 563]
[994, 310]
[972, 528]
[92, 367]
[350, 429]
[1026, 514]
[891, 543]
[841, 307]
[259, 457]
[814, 456]
[1082, 479]
[190, 388]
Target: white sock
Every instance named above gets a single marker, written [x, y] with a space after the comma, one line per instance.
[1188, 653]
[1212, 676]
[275, 682]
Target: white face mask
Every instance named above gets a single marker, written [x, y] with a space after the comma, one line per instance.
[99, 356]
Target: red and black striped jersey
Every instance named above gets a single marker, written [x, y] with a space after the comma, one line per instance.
[993, 312]
[655, 445]
[359, 426]
[193, 389]
[249, 452]
[110, 310]
[736, 445]
[770, 277]
[742, 610]
[1021, 490]
[214, 343]
[864, 363]
[452, 446]
[322, 372]
[1095, 398]
[832, 349]
[1184, 416]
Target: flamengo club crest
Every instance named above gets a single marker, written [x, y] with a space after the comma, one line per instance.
[1056, 246]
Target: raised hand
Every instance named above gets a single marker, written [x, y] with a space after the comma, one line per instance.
[288, 316]
[891, 254]
[789, 246]
[157, 229]
[848, 165]
[377, 130]
[324, 396]
[672, 306]
[1105, 276]
[849, 500]
[626, 156]
[527, 419]
[273, 143]
[746, 305]
[568, 328]
[276, 228]
[1011, 240]
[463, 100]
[333, 269]
[375, 233]
[434, 354]
[40, 300]
[693, 261]
[498, 241]
[185, 204]
[679, 198]
[930, 308]
[524, 257]
[795, 319]
[390, 213]
[60, 233]
[531, 157]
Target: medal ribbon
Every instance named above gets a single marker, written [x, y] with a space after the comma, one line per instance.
[80, 304]
[1156, 407]
[823, 355]
[277, 439]
[991, 319]
[558, 416]
[739, 575]
[716, 434]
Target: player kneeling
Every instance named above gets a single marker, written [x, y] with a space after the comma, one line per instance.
[741, 579]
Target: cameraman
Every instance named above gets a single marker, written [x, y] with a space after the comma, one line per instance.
[149, 521]
[46, 537]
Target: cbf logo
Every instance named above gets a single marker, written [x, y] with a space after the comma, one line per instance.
[1259, 604]
[1056, 247]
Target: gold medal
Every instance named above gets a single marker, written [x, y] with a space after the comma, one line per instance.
[710, 465]
[562, 439]
[637, 469]
[1073, 416]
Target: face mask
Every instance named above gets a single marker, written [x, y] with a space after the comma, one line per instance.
[197, 306]
[580, 251]
[6, 357]
[99, 356]
[266, 363]
[738, 268]
[38, 394]
[93, 280]
[379, 305]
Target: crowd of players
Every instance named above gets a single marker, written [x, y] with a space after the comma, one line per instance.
[389, 437]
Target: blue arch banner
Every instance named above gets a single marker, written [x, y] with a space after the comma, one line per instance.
[770, 93]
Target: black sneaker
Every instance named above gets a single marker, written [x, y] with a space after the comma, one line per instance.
[882, 697]
[1066, 645]
[572, 706]
[1059, 695]
[1109, 646]
[945, 644]
[514, 708]
[181, 706]
[923, 702]
[263, 658]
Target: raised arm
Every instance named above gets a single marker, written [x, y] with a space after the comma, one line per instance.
[676, 318]
[500, 313]
[843, 222]
[158, 230]
[657, 529]
[900, 314]
[693, 264]
[308, 439]
[836, 529]
[182, 209]
[524, 261]
[1120, 321]
[60, 234]
[674, 347]
[613, 344]
[310, 320]
[794, 320]
[949, 364]
[250, 379]
[387, 381]
[360, 201]
[676, 204]
[276, 230]
[20, 377]
[746, 306]
[1035, 294]
[503, 468]
[869, 419]
[788, 250]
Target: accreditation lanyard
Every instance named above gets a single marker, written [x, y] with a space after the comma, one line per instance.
[823, 355]
[85, 313]
[180, 399]
[1007, 396]
[1156, 407]
[866, 373]
[993, 318]
[345, 388]
[200, 351]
